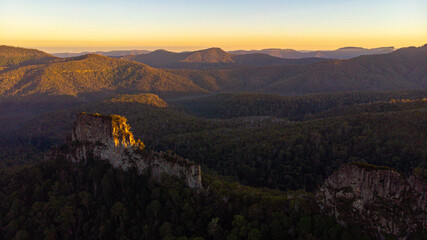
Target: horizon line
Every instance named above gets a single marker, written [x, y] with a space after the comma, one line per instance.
[55, 49]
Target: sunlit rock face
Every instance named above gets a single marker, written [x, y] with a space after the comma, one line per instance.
[379, 199]
[97, 128]
[109, 138]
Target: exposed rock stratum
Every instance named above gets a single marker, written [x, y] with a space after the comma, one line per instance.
[109, 138]
[379, 199]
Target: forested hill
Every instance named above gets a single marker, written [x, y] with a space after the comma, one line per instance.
[93, 200]
[341, 53]
[58, 200]
[256, 150]
[232, 105]
[94, 74]
[15, 56]
[289, 144]
[212, 58]
[402, 69]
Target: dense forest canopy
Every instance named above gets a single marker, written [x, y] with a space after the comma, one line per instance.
[263, 155]
[53, 200]
[232, 105]
[263, 150]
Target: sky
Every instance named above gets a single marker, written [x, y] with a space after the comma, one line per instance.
[80, 25]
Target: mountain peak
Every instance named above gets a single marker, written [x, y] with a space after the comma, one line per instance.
[210, 55]
[89, 56]
[213, 49]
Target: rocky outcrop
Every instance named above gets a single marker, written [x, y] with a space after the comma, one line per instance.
[379, 199]
[109, 138]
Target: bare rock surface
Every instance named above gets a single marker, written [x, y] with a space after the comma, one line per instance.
[379, 199]
[109, 138]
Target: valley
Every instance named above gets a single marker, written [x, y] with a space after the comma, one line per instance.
[266, 138]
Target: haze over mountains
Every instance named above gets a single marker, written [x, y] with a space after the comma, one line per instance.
[116, 53]
[341, 53]
[211, 58]
[41, 73]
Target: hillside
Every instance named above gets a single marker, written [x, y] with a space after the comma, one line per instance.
[211, 58]
[402, 69]
[301, 155]
[232, 105]
[87, 189]
[143, 98]
[14, 56]
[60, 200]
[255, 151]
[341, 53]
[92, 76]
[256, 146]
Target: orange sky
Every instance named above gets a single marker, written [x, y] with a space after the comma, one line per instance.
[79, 25]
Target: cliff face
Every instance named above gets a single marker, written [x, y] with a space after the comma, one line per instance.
[108, 138]
[378, 199]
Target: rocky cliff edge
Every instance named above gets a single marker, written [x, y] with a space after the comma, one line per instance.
[109, 138]
[379, 199]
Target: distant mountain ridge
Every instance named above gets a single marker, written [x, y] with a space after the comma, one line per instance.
[211, 58]
[92, 74]
[341, 53]
[116, 53]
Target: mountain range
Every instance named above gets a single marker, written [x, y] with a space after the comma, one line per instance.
[92, 74]
[341, 53]
[211, 58]
[116, 53]
[221, 118]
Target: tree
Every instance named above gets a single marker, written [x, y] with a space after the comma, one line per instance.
[254, 234]
[214, 229]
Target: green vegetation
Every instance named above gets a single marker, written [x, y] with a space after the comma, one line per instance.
[302, 155]
[231, 105]
[265, 152]
[143, 98]
[54, 200]
[92, 76]
[260, 140]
